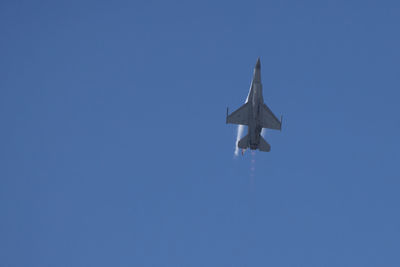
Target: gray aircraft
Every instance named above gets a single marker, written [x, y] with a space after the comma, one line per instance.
[256, 115]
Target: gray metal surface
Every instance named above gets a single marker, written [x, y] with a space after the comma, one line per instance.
[256, 115]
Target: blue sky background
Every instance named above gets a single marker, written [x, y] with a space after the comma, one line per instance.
[114, 149]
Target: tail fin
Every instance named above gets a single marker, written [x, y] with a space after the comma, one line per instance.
[244, 142]
[263, 146]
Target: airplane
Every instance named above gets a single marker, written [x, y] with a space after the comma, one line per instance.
[256, 115]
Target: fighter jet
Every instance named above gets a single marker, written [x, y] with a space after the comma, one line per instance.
[256, 115]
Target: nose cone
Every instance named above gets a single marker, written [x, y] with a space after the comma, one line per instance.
[258, 64]
[257, 72]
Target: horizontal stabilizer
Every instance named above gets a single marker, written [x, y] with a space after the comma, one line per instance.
[264, 146]
[244, 142]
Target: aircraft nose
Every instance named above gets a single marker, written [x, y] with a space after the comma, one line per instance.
[258, 64]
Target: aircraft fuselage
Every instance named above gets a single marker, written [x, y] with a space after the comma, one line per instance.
[256, 100]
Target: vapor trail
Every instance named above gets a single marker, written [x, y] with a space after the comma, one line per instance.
[238, 137]
[240, 129]
[263, 132]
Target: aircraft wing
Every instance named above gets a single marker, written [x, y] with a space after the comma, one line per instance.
[240, 116]
[268, 119]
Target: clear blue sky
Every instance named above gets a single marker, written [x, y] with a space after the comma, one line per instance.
[114, 149]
